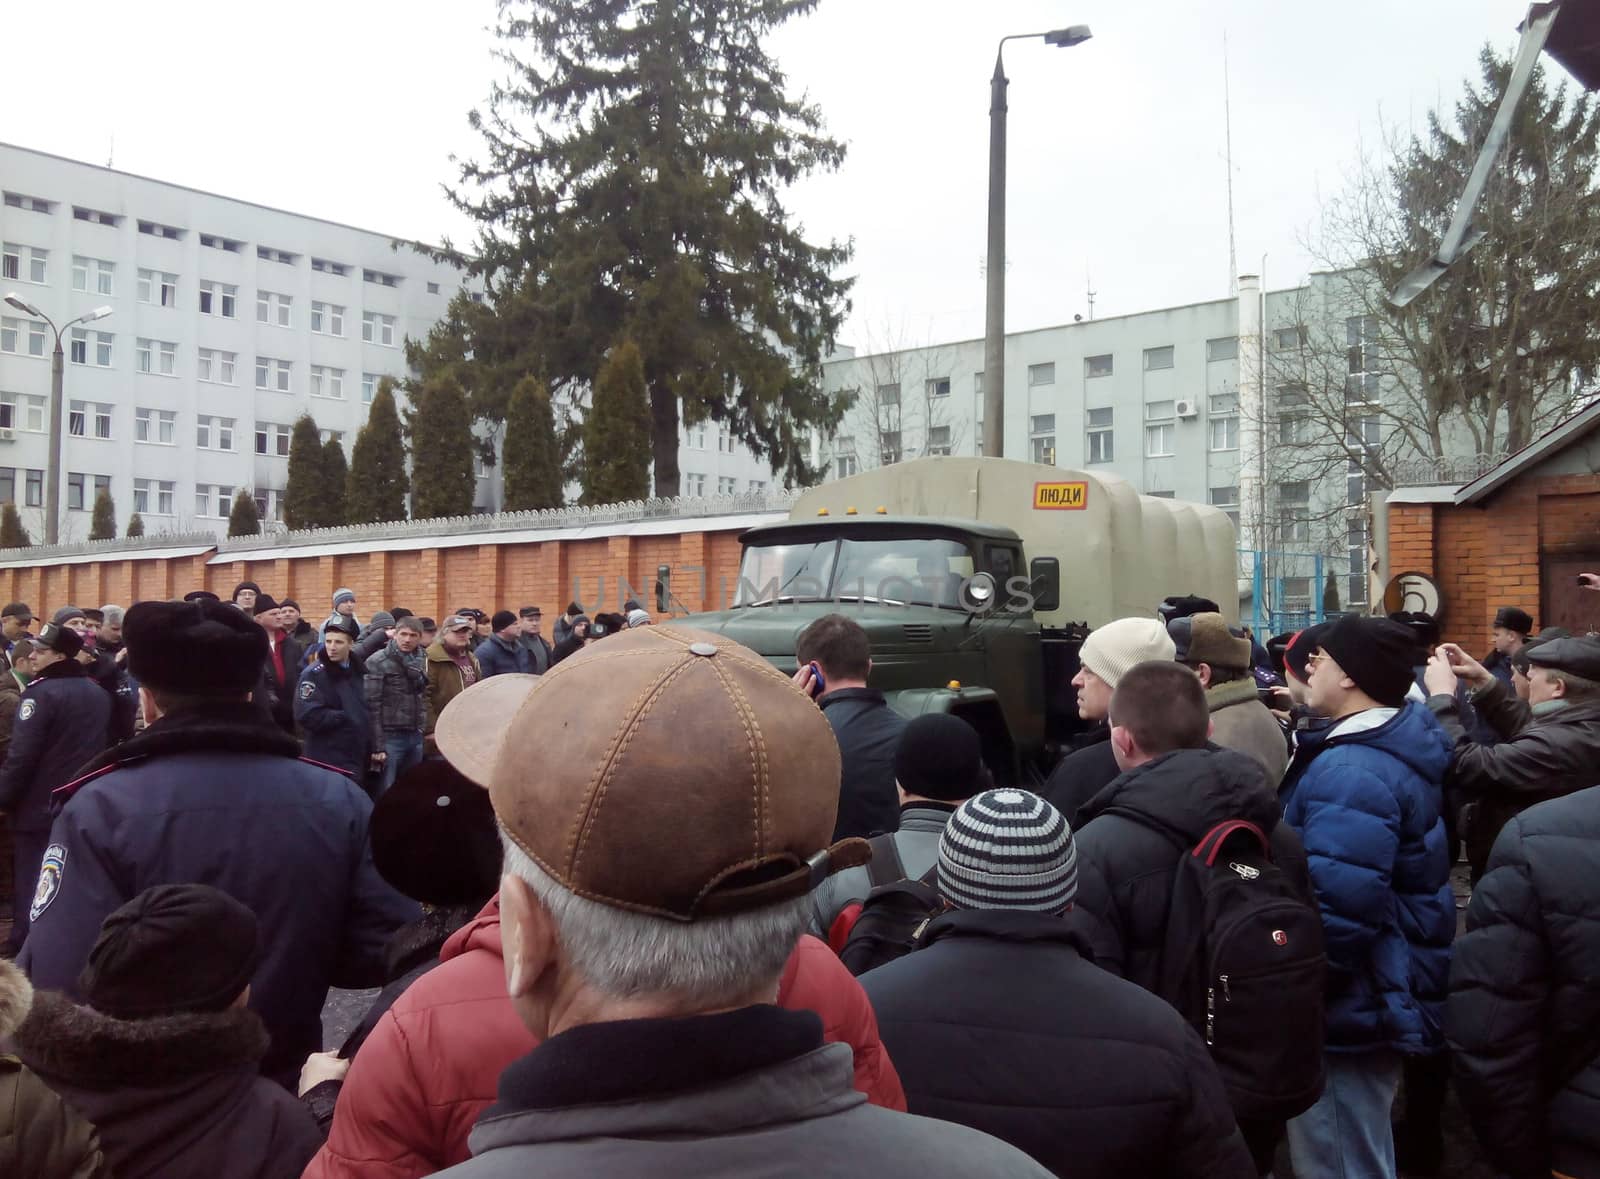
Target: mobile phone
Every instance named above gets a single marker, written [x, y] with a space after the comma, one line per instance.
[821, 685]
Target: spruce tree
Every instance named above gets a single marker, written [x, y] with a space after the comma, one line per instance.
[12, 534]
[244, 520]
[532, 459]
[103, 524]
[1330, 595]
[376, 491]
[303, 506]
[443, 482]
[135, 526]
[616, 431]
[632, 182]
[335, 478]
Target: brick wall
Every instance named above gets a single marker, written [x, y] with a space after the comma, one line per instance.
[429, 581]
[1486, 556]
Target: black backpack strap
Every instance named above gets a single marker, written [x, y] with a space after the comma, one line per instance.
[885, 866]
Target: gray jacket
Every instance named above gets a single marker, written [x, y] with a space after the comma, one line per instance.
[798, 1117]
[917, 841]
[394, 689]
[1239, 721]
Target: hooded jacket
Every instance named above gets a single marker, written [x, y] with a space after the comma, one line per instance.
[175, 1097]
[1240, 721]
[1523, 1020]
[996, 1021]
[222, 796]
[1135, 831]
[41, 1136]
[61, 724]
[445, 681]
[1363, 794]
[1543, 754]
[431, 1065]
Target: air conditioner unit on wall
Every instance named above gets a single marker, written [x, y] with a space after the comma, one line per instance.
[7, 435]
[1188, 409]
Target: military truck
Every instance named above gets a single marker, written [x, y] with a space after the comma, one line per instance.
[976, 580]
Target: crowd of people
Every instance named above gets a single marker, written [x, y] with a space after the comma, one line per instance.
[658, 908]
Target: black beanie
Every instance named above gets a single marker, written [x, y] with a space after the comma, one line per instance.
[264, 604]
[242, 586]
[173, 948]
[501, 620]
[1376, 653]
[939, 756]
[434, 837]
[194, 648]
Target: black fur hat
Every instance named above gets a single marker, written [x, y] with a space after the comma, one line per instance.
[193, 648]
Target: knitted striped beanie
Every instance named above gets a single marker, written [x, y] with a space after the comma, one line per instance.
[1008, 849]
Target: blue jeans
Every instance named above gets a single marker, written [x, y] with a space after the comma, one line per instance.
[1346, 1134]
[402, 750]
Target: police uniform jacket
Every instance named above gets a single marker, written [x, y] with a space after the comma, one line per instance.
[60, 726]
[330, 706]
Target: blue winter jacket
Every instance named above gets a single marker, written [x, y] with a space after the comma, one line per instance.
[498, 657]
[1364, 794]
[330, 706]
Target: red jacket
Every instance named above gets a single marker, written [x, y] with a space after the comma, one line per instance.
[433, 1061]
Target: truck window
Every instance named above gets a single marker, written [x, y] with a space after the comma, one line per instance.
[769, 572]
[918, 571]
[1003, 565]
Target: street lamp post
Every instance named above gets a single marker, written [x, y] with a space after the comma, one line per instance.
[52, 489]
[994, 334]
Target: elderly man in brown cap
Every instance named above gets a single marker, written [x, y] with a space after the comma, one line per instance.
[1209, 647]
[656, 879]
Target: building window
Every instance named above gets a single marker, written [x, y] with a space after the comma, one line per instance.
[272, 438]
[937, 387]
[377, 329]
[694, 484]
[1226, 348]
[1161, 429]
[155, 425]
[1226, 498]
[327, 319]
[889, 447]
[1361, 355]
[219, 298]
[1294, 512]
[159, 288]
[95, 216]
[1355, 484]
[273, 374]
[155, 229]
[380, 278]
[758, 485]
[328, 436]
[33, 490]
[11, 333]
[213, 241]
[31, 415]
[212, 433]
[1296, 594]
[1157, 358]
[77, 420]
[216, 366]
[1097, 366]
[1224, 417]
[1042, 438]
[1041, 374]
[323, 266]
[433, 288]
[369, 387]
[268, 254]
[327, 382]
[23, 263]
[1287, 339]
[1099, 448]
[212, 500]
[16, 200]
[81, 339]
[8, 485]
[76, 481]
[92, 275]
[273, 308]
[889, 394]
[727, 485]
[938, 440]
[845, 465]
[156, 356]
[1356, 546]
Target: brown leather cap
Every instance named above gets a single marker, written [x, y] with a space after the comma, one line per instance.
[664, 770]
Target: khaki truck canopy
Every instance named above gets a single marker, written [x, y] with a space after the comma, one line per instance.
[1120, 552]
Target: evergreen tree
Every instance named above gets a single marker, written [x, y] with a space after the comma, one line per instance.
[12, 534]
[303, 505]
[1330, 595]
[103, 524]
[616, 431]
[632, 182]
[244, 520]
[532, 457]
[135, 526]
[376, 491]
[443, 482]
[335, 478]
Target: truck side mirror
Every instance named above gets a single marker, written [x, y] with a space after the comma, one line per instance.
[663, 589]
[1044, 583]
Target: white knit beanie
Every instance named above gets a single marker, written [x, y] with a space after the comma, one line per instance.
[1113, 648]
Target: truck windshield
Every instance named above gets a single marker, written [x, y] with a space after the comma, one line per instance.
[917, 571]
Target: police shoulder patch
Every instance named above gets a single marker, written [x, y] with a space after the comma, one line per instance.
[50, 872]
[29, 707]
[307, 689]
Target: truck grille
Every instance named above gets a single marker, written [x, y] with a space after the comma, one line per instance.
[918, 632]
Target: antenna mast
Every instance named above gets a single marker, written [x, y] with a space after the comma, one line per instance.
[1227, 122]
[1088, 284]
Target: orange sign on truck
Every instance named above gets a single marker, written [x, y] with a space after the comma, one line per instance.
[1061, 497]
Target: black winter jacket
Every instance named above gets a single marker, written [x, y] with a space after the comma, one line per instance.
[498, 657]
[868, 732]
[330, 706]
[997, 1022]
[176, 1097]
[1523, 1019]
[60, 725]
[113, 679]
[1081, 775]
[1135, 830]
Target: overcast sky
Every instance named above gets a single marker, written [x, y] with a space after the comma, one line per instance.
[351, 111]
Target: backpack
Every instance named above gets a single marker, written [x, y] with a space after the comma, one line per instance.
[1252, 980]
[888, 922]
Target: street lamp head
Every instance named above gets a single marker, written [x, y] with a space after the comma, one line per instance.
[98, 313]
[1068, 37]
[16, 301]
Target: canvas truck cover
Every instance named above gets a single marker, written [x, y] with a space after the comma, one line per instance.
[1120, 552]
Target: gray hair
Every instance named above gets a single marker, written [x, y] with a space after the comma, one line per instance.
[626, 955]
[112, 615]
[1577, 687]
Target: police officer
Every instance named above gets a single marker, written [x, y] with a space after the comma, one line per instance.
[212, 791]
[60, 725]
[330, 705]
[104, 670]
